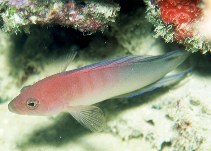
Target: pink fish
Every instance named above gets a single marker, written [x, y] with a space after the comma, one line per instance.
[77, 90]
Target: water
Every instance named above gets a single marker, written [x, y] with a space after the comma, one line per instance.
[171, 118]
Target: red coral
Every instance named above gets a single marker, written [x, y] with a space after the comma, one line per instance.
[180, 13]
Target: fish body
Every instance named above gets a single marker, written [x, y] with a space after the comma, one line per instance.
[77, 90]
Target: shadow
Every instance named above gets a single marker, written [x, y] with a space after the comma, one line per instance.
[128, 7]
[202, 64]
[117, 106]
[63, 130]
[29, 51]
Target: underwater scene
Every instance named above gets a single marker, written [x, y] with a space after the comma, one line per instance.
[105, 75]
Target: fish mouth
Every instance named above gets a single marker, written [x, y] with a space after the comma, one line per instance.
[11, 107]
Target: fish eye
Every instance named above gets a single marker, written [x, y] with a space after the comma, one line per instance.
[32, 103]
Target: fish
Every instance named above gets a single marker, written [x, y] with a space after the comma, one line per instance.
[76, 91]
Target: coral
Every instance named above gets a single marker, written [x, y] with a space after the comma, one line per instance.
[89, 16]
[174, 20]
[18, 3]
[181, 14]
[189, 133]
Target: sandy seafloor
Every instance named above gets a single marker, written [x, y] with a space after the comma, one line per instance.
[175, 118]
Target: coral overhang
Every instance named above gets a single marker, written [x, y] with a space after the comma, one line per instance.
[87, 16]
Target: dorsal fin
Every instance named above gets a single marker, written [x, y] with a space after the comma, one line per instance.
[112, 62]
[70, 57]
[127, 60]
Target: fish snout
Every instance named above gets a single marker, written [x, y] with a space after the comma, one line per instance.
[10, 107]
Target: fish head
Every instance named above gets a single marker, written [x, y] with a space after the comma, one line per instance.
[29, 102]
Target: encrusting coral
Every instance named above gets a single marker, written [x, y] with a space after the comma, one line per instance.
[88, 16]
[175, 20]
[181, 14]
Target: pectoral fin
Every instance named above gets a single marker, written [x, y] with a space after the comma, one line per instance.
[90, 117]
